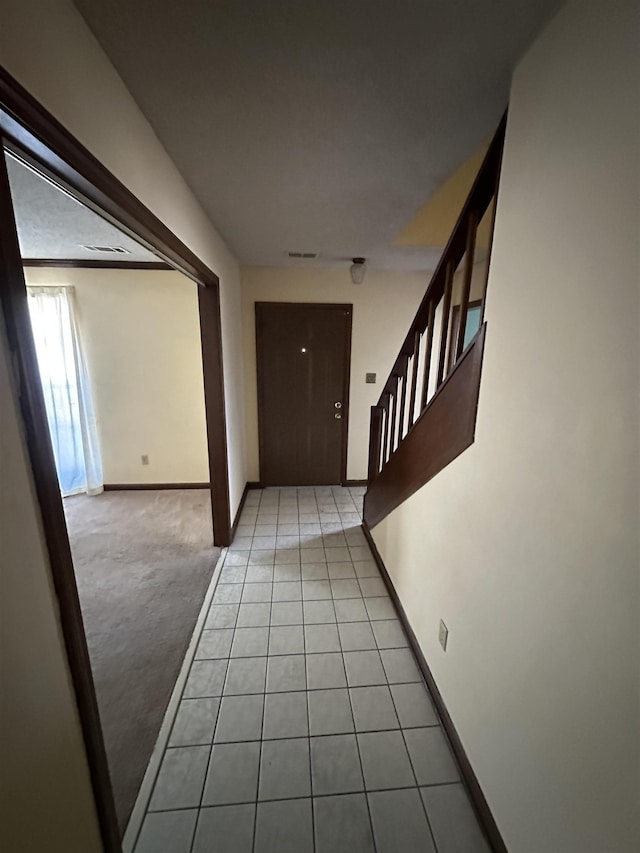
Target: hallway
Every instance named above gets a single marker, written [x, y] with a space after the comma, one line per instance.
[324, 738]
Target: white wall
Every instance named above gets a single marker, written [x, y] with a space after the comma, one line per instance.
[47, 46]
[527, 544]
[383, 308]
[62, 65]
[141, 336]
[45, 795]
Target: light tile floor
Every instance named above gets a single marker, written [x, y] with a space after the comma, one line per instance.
[304, 725]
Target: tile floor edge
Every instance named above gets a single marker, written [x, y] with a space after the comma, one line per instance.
[139, 811]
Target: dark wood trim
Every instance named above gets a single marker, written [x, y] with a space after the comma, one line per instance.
[259, 384]
[492, 231]
[414, 377]
[469, 779]
[152, 487]
[337, 306]
[393, 415]
[431, 313]
[483, 190]
[444, 429]
[455, 319]
[236, 520]
[89, 264]
[33, 134]
[375, 442]
[386, 408]
[215, 409]
[214, 401]
[394, 419]
[38, 138]
[250, 485]
[346, 390]
[472, 227]
[13, 295]
[444, 330]
[354, 483]
[403, 398]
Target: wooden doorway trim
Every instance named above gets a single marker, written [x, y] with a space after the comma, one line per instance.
[347, 308]
[37, 137]
[36, 433]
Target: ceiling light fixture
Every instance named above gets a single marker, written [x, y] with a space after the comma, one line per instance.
[358, 269]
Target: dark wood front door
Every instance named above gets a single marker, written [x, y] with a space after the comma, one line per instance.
[303, 354]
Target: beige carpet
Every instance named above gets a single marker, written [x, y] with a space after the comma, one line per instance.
[143, 562]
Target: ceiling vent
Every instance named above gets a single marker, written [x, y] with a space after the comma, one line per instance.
[114, 250]
[307, 255]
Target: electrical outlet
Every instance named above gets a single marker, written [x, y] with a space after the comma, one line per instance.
[443, 635]
[370, 378]
[145, 459]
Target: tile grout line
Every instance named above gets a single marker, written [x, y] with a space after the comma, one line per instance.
[288, 737]
[316, 795]
[424, 808]
[141, 806]
[323, 533]
[264, 707]
[355, 734]
[404, 741]
[206, 773]
[306, 684]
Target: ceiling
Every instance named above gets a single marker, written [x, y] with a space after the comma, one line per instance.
[52, 224]
[434, 222]
[318, 126]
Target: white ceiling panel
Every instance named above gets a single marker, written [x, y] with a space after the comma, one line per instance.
[318, 126]
[52, 224]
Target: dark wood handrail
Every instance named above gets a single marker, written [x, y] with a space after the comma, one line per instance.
[442, 432]
[434, 356]
[482, 191]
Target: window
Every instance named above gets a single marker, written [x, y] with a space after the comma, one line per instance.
[67, 393]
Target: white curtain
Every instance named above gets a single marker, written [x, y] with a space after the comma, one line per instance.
[67, 392]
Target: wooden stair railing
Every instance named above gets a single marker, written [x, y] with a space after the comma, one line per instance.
[426, 413]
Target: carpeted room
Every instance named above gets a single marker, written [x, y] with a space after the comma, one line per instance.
[143, 558]
[143, 562]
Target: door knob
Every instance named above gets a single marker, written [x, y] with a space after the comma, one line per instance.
[337, 416]
[338, 405]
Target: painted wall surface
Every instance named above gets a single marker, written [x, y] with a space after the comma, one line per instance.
[44, 781]
[527, 545]
[141, 336]
[383, 308]
[435, 221]
[62, 65]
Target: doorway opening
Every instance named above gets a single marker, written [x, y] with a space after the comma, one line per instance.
[32, 137]
[120, 370]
